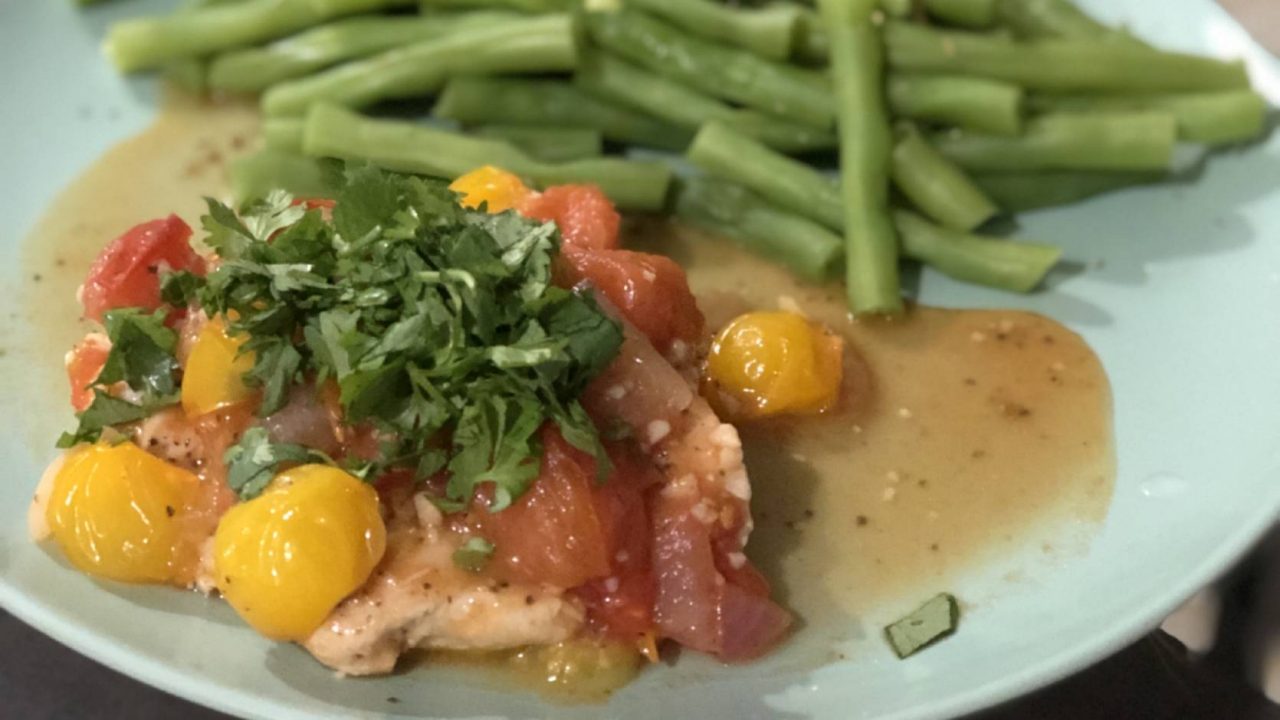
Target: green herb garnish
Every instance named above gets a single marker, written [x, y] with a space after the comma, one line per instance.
[141, 357]
[474, 554]
[439, 325]
[253, 461]
[927, 624]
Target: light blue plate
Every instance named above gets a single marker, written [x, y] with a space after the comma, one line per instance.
[1180, 296]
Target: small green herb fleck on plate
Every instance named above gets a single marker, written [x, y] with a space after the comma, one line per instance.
[927, 624]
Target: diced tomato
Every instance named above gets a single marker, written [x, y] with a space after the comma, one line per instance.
[586, 218]
[553, 533]
[750, 624]
[651, 291]
[127, 272]
[621, 605]
[728, 615]
[83, 365]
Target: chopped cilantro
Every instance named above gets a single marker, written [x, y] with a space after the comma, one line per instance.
[252, 462]
[141, 356]
[179, 287]
[439, 325]
[473, 554]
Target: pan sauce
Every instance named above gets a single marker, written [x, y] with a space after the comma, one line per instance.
[959, 433]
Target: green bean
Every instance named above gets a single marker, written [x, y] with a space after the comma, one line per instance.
[255, 175]
[896, 8]
[1022, 191]
[148, 42]
[1057, 65]
[611, 78]
[965, 13]
[527, 6]
[871, 246]
[530, 44]
[1213, 118]
[720, 71]
[546, 143]
[556, 103]
[936, 186]
[791, 184]
[255, 69]
[1070, 141]
[971, 103]
[811, 44]
[995, 262]
[283, 134]
[767, 31]
[332, 131]
[722, 207]
[189, 74]
[1042, 19]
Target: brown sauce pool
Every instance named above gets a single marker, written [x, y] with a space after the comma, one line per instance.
[963, 436]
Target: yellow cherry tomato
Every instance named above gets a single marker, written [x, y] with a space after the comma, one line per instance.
[214, 375]
[768, 363]
[499, 188]
[114, 511]
[286, 558]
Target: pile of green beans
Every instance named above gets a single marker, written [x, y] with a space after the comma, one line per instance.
[941, 115]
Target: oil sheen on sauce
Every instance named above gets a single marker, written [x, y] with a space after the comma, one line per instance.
[961, 436]
[960, 432]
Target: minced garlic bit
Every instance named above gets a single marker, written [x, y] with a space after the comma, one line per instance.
[789, 304]
[657, 430]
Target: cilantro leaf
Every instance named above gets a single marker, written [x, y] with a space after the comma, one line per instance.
[275, 369]
[253, 461]
[474, 554]
[495, 442]
[440, 326]
[179, 288]
[105, 411]
[142, 358]
[141, 354]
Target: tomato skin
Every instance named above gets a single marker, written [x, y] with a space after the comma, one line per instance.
[126, 272]
[553, 533]
[84, 363]
[621, 606]
[651, 291]
[586, 218]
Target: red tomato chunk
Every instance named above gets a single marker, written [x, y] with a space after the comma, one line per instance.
[127, 272]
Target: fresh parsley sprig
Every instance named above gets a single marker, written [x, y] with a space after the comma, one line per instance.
[440, 326]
